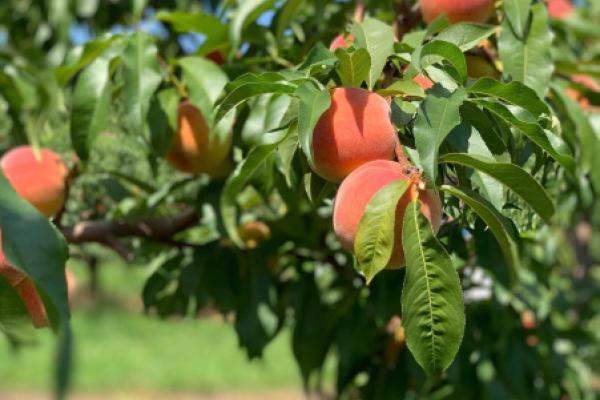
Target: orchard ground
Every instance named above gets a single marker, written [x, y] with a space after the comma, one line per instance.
[123, 354]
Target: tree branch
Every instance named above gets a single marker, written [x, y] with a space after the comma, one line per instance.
[159, 229]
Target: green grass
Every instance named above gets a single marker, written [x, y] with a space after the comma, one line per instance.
[117, 349]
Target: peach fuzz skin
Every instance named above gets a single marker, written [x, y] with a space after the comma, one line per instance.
[355, 129]
[191, 150]
[457, 10]
[39, 181]
[26, 289]
[360, 186]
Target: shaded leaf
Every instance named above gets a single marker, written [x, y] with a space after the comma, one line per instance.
[512, 176]
[498, 223]
[242, 174]
[533, 131]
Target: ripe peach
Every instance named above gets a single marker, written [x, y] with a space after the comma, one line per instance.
[559, 9]
[341, 40]
[355, 129]
[423, 81]
[457, 10]
[360, 186]
[26, 290]
[193, 149]
[479, 67]
[40, 181]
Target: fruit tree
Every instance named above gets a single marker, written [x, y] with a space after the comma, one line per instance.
[408, 187]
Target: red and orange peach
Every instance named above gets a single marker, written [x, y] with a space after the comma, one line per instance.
[193, 150]
[38, 178]
[457, 10]
[354, 130]
[360, 186]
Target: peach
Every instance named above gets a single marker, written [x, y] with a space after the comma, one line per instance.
[354, 130]
[342, 41]
[457, 10]
[40, 181]
[26, 289]
[479, 67]
[559, 9]
[253, 233]
[589, 83]
[423, 81]
[193, 150]
[360, 186]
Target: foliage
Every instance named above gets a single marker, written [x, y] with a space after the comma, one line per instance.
[513, 159]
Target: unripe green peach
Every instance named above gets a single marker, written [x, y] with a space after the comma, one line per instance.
[39, 180]
[360, 186]
[354, 130]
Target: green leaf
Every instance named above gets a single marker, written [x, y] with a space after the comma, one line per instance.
[205, 82]
[433, 312]
[91, 52]
[162, 120]
[528, 60]
[251, 85]
[217, 34]
[514, 93]
[478, 119]
[517, 13]
[498, 223]
[375, 238]
[319, 58]
[32, 245]
[512, 176]
[313, 103]
[438, 115]
[15, 321]
[91, 106]
[246, 13]
[466, 35]
[435, 52]
[286, 15]
[378, 39]
[141, 76]
[406, 87]
[353, 68]
[266, 113]
[533, 131]
[242, 174]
